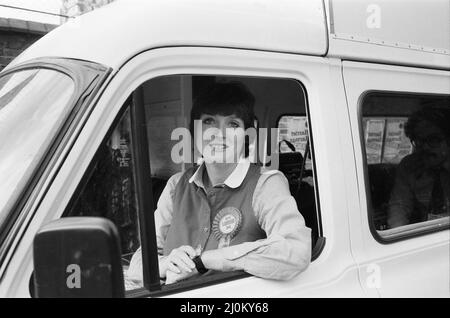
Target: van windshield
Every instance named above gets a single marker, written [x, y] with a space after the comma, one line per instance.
[33, 104]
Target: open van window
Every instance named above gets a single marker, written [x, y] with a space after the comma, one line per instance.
[108, 187]
[407, 145]
[33, 105]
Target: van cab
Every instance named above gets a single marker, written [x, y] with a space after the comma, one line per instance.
[88, 116]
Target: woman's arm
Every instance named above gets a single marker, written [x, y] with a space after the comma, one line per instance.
[287, 249]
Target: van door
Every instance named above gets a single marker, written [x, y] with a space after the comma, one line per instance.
[411, 257]
[288, 88]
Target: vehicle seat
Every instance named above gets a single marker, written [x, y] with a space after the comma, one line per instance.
[290, 164]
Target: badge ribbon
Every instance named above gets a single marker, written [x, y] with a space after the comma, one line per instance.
[226, 225]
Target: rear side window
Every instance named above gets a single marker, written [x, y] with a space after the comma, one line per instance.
[407, 150]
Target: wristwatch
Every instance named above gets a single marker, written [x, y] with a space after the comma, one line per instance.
[199, 265]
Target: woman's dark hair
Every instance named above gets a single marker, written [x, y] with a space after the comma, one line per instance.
[436, 116]
[228, 98]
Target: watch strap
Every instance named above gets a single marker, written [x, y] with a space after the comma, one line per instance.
[199, 265]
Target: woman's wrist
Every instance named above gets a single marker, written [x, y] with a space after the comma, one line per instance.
[199, 266]
[212, 259]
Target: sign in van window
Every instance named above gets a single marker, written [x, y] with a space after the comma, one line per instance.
[385, 139]
[373, 137]
[396, 144]
[295, 130]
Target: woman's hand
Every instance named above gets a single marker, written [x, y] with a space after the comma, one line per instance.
[179, 260]
[172, 277]
[212, 259]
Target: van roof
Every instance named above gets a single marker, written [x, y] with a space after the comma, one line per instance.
[416, 33]
[116, 32]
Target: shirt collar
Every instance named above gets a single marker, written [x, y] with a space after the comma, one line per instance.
[234, 180]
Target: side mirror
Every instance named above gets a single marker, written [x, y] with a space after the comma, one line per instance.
[78, 257]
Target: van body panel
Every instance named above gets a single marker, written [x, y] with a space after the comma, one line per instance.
[374, 31]
[395, 22]
[415, 266]
[138, 25]
[393, 32]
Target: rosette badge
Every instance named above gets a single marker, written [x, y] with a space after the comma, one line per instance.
[226, 225]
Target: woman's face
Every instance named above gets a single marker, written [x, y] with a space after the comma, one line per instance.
[222, 138]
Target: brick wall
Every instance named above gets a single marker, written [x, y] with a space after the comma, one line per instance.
[12, 43]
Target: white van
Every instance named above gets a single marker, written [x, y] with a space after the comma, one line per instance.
[86, 121]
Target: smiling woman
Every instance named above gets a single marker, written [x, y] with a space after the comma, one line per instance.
[198, 219]
[227, 213]
[221, 138]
